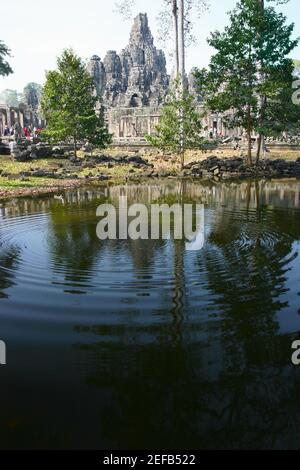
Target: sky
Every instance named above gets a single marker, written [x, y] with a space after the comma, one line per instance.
[37, 31]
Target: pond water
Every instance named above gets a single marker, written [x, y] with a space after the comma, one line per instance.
[142, 344]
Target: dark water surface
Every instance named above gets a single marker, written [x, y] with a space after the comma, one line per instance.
[141, 344]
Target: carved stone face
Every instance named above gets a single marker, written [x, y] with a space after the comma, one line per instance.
[138, 57]
[133, 72]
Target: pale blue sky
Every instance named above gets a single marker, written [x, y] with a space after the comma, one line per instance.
[37, 32]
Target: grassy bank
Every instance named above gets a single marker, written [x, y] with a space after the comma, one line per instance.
[16, 178]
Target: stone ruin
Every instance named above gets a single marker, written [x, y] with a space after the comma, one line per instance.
[137, 76]
[133, 84]
[23, 114]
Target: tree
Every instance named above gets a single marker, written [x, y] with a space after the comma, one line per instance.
[98, 134]
[5, 68]
[181, 11]
[10, 97]
[32, 95]
[180, 14]
[261, 137]
[169, 131]
[253, 46]
[176, 35]
[69, 101]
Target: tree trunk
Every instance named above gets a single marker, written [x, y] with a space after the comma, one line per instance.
[249, 157]
[259, 143]
[181, 44]
[176, 37]
[182, 74]
[261, 146]
[261, 138]
[75, 147]
[249, 132]
[182, 159]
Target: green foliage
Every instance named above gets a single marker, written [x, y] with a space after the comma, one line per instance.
[97, 134]
[5, 68]
[252, 62]
[180, 124]
[69, 101]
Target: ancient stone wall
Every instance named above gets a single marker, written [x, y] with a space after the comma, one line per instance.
[134, 83]
[133, 123]
[24, 115]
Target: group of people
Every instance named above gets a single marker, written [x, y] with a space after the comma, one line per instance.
[8, 131]
[27, 132]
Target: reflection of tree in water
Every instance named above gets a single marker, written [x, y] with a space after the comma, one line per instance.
[247, 261]
[76, 250]
[9, 256]
[145, 378]
[224, 379]
[72, 240]
[178, 297]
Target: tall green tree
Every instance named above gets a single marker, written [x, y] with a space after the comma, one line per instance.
[252, 62]
[5, 68]
[261, 137]
[179, 116]
[69, 102]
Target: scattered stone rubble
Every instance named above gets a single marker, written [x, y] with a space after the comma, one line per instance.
[25, 151]
[214, 167]
[284, 139]
[4, 148]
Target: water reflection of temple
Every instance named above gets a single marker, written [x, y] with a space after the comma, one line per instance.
[191, 338]
[280, 194]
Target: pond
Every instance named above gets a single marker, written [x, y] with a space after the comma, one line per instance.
[123, 344]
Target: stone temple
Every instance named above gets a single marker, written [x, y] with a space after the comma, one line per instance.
[137, 76]
[133, 84]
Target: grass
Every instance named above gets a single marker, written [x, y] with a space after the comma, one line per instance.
[16, 182]
[117, 173]
[32, 182]
[7, 165]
